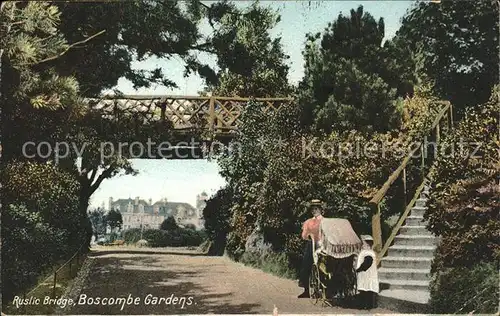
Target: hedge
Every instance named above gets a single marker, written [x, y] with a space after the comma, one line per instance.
[465, 290]
[179, 237]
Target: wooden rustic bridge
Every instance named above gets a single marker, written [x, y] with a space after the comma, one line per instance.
[220, 116]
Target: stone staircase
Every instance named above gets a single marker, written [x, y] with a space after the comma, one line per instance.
[404, 274]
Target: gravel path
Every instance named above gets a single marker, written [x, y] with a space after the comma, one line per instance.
[180, 281]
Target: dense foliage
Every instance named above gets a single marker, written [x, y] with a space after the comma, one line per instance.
[98, 219]
[114, 219]
[251, 62]
[351, 80]
[464, 201]
[169, 224]
[40, 216]
[455, 45]
[217, 215]
[463, 211]
[462, 290]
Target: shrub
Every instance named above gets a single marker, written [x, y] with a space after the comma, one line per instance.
[131, 236]
[464, 200]
[179, 237]
[465, 290]
[169, 224]
[41, 223]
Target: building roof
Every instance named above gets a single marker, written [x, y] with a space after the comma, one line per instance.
[164, 209]
[132, 201]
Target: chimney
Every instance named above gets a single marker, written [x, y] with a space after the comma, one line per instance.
[110, 206]
[150, 201]
[136, 200]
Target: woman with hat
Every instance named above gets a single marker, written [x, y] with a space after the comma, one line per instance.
[310, 232]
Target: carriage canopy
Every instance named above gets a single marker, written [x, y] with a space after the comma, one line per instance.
[338, 239]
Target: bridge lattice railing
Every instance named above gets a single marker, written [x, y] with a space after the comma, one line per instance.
[219, 115]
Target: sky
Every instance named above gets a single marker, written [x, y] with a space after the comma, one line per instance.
[182, 180]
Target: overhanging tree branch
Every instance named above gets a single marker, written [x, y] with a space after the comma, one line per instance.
[106, 174]
[68, 48]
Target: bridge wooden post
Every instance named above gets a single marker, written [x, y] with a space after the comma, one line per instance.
[211, 115]
[163, 107]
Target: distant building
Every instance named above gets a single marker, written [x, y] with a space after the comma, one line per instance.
[201, 202]
[137, 213]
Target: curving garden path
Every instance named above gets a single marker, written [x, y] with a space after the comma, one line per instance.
[188, 282]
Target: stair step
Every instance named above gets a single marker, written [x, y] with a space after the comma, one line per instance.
[404, 301]
[415, 240]
[421, 202]
[404, 284]
[418, 211]
[414, 230]
[411, 251]
[404, 274]
[406, 262]
[415, 221]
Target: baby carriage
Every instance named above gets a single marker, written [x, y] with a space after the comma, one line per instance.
[333, 275]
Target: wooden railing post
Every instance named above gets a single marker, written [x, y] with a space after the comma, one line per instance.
[211, 115]
[422, 162]
[376, 229]
[163, 108]
[404, 186]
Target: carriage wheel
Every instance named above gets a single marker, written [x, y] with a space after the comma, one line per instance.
[315, 285]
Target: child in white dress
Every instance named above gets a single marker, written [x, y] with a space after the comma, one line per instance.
[367, 275]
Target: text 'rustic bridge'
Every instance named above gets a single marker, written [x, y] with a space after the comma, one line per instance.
[220, 116]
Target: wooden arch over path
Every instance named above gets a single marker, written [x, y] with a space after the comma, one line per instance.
[219, 116]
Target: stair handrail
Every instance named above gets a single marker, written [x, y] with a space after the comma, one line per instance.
[401, 220]
[379, 247]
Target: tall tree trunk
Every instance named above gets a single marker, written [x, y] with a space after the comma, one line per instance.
[83, 205]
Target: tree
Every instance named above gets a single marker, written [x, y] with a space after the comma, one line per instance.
[114, 220]
[169, 224]
[30, 41]
[98, 219]
[171, 30]
[351, 81]
[456, 46]
[251, 63]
